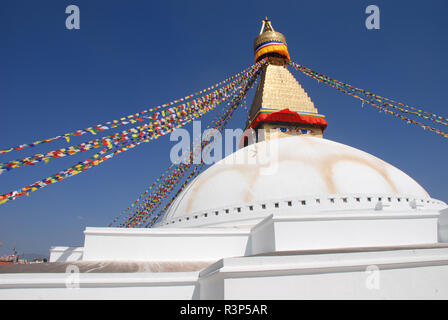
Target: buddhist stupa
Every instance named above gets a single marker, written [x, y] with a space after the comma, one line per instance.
[307, 167]
[290, 215]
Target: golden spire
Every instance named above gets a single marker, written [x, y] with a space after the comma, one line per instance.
[280, 102]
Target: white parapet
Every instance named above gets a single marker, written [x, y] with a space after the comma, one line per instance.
[122, 286]
[388, 273]
[288, 230]
[66, 254]
[164, 244]
[443, 225]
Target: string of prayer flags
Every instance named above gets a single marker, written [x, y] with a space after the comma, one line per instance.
[146, 211]
[380, 103]
[146, 135]
[132, 118]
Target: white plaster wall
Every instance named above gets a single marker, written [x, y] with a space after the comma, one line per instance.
[263, 237]
[342, 230]
[403, 283]
[62, 254]
[443, 226]
[164, 244]
[401, 274]
[211, 287]
[123, 286]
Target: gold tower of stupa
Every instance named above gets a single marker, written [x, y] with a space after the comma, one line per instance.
[280, 102]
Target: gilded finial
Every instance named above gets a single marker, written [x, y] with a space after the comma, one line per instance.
[266, 25]
[270, 42]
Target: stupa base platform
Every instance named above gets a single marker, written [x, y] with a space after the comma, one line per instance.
[402, 272]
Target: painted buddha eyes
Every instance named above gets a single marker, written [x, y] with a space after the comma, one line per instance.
[302, 131]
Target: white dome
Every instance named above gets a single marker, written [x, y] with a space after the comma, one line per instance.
[292, 167]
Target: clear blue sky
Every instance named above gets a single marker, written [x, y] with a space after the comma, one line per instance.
[131, 55]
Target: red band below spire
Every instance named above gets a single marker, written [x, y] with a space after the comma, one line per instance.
[286, 115]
